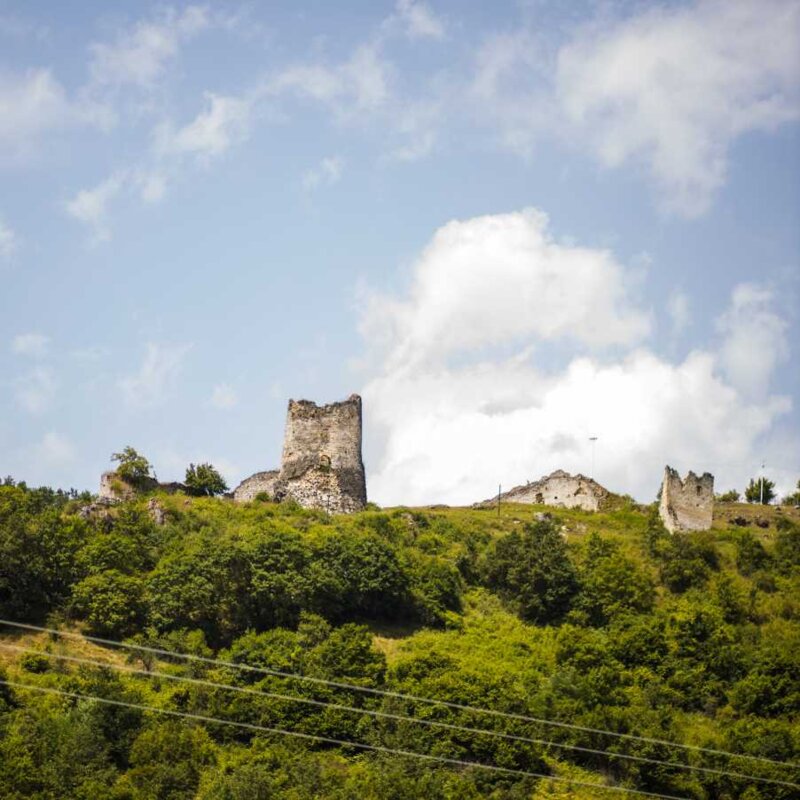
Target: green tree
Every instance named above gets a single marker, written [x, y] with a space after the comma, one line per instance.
[110, 602]
[167, 761]
[792, 499]
[133, 467]
[532, 570]
[203, 479]
[731, 496]
[611, 584]
[753, 492]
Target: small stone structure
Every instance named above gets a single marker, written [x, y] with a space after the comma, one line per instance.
[559, 489]
[688, 504]
[260, 483]
[321, 465]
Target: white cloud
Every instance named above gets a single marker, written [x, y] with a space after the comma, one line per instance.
[223, 396]
[90, 206]
[152, 186]
[326, 174]
[350, 89]
[35, 390]
[419, 20]
[450, 416]
[151, 384]
[502, 279]
[55, 449]
[8, 241]
[34, 345]
[754, 339]
[140, 55]
[224, 122]
[678, 310]
[673, 87]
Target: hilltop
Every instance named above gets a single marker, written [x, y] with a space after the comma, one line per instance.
[602, 620]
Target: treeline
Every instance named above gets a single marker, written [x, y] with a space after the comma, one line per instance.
[617, 626]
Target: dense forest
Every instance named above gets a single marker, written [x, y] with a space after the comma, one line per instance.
[602, 621]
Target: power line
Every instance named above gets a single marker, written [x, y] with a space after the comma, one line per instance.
[339, 742]
[397, 717]
[385, 693]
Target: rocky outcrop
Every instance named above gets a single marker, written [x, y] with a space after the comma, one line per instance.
[260, 483]
[321, 465]
[688, 504]
[115, 489]
[559, 489]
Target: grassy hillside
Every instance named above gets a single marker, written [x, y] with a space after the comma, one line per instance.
[600, 620]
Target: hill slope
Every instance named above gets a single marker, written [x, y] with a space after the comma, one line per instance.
[602, 621]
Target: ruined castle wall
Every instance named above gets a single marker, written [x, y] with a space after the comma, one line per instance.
[261, 482]
[688, 504]
[321, 465]
[559, 489]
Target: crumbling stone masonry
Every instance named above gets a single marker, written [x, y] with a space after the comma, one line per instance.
[559, 489]
[688, 504]
[260, 483]
[321, 466]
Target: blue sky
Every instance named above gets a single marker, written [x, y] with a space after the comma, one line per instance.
[509, 226]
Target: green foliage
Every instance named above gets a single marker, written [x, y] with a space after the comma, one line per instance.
[611, 584]
[533, 571]
[792, 499]
[686, 561]
[133, 467]
[760, 490]
[111, 603]
[203, 479]
[750, 554]
[38, 553]
[603, 620]
[731, 496]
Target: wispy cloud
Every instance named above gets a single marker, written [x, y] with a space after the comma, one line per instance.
[35, 345]
[55, 449]
[326, 173]
[224, 121]
[418, 19]
[90, 206]
[151, 384]
[223, 396]
[35, 390]
[139, 55]
[8, 241]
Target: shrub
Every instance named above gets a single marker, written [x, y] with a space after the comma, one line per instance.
[532, 570]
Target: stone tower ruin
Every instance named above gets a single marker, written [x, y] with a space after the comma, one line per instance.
[688, 504]
[321, 465]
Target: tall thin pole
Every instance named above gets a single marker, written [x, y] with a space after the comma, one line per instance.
[761, 481]
[499, 489]
[592, 439]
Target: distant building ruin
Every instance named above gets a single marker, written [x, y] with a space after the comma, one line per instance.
[321, 465]
[559, 489]
[688, 504]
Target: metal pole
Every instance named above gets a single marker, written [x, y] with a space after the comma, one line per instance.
[761, 481]
[592, 439]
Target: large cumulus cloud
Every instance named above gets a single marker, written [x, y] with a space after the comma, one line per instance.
[510, 349]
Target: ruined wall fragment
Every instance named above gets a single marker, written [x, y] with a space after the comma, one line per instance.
[688, 504]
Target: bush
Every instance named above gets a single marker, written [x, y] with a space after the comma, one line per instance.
[111, 603]
[532, 571]
[35, 662]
